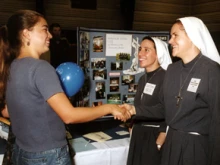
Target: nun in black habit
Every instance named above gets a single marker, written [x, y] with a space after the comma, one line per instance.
[191, 97]
[148, 133]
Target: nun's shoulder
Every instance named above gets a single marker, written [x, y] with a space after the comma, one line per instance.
[208, 63]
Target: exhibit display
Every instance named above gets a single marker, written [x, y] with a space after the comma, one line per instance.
[109, 59]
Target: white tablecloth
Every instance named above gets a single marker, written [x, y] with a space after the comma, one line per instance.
[112, 152]
[107, 153]
[1, 158]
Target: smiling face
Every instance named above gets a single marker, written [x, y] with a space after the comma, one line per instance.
[180, 42]
[40, 37]
[147, 56]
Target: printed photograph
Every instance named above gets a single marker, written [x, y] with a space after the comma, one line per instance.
[132, 88]
[123, 57]
[98, 63]
[99, 74]
[128, 99]
[98, 44]
[114, 98]
[127, 79]
[84, 40]
[114, 84]
[100, 90]
[84, 55]
[116, 65]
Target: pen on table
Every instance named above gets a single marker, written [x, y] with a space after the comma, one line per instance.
[87, 143]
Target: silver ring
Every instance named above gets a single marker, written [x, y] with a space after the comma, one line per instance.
[158, 146]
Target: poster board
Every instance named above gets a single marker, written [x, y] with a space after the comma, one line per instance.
[109, 59]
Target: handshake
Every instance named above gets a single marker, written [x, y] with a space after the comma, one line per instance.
[122, 112]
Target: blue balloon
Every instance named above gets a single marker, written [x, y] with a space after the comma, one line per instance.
[71, 77]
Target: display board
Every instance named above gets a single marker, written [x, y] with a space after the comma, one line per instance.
[109, 59]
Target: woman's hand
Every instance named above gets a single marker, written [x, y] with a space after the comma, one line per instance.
[5, 113]
[129, 108]
[160, 140]
[120, 113]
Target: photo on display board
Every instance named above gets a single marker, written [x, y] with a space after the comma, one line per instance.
[114, 98]
[123, 57]
[84, 55]
[132, 88]
[98, 63]
[128, 99]
[98, 44]
[100, 90]
[116, 65]
[84, 40]
[127, 79]
[114, 84]
[81, 58]
[85, 66]
[99, 74]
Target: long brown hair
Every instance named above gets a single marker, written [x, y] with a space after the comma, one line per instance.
[11, 42]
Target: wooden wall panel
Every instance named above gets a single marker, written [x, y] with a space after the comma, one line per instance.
[155, 17]
[161, 7]
[209, 12]
[149, 26]
[106, 16]
[100, 3]
[154, 21]
[213, 27]
[66, 11]
[108, 4]
[158, 15]
[197, 2]
[159, 12]
[210, 18]
[209, 7]
[70, 23]
[178, 2]
[8, 7]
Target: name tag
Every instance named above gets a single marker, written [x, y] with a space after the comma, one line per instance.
[149, 88]
[193, 85]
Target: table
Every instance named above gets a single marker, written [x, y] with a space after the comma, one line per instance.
[113, 152]
[1, 158]
[110, 152]
[89, 152]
